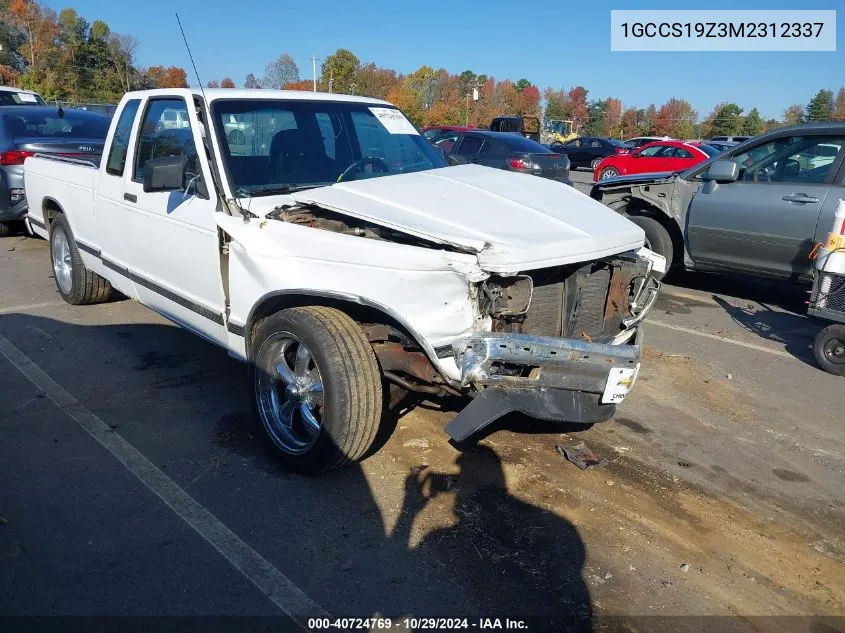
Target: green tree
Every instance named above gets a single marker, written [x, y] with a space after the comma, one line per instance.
[339, 69]
[753, 124]
[725, 120]
[821, 106]
[595, 118]
[522, 84]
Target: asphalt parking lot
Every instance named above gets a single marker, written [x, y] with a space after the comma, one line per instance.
[134, 481]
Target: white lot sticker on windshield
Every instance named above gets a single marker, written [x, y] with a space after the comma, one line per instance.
[26, 97]
[394, 121]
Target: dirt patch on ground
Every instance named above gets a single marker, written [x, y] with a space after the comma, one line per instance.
[668, 373]
[650, 542]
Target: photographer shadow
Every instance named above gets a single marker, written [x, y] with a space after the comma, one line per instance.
[511, 558]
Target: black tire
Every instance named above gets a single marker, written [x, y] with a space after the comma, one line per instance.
[85, 287]
[829, 349]
[595, 162]
[351, 405]
[7, 229]
[608, 172]
[657, 237]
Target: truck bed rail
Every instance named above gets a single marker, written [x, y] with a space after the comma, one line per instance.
[68, 159]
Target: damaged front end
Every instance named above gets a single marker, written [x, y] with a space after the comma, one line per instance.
[564, 343]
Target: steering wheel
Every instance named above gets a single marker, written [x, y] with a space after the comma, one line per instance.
[375, 161]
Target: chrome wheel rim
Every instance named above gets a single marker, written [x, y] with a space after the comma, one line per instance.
[289, 390]
[62, 265]
[608, 173]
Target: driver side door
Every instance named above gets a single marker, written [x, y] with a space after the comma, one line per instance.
[173, 256]
[766, 221]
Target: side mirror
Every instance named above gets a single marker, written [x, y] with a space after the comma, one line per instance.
[165, 174]
[456, 159]
[722, 170]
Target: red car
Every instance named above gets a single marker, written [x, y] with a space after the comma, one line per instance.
[672, 156]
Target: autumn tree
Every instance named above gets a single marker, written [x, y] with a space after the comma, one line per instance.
[374, 81]
[251, 82]
[675, 118]
[577, 97]
[302, 84]
[280, 72]
[338, 71]
[529, 100]
[227, 82]
[630, 120]
[839, 106]
[647, 120]
[794, 114]
[161, 77]
[821, 106]
[612, 124]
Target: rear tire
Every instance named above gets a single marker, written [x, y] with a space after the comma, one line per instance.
[595, 162]
[829, 349]
[657, 237]
[76, 284]
[343, 414]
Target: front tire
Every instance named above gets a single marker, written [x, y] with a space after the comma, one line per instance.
[829, 349]
[316, 388]
[656, 236]
[77, 285]
[608, 172]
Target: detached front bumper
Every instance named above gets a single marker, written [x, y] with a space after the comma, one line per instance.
[550, 378]
[547, 378]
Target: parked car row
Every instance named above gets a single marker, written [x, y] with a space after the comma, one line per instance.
[759, 207]
[659, 156]
[503, 150]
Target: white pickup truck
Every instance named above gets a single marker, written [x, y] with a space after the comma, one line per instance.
[341, 256]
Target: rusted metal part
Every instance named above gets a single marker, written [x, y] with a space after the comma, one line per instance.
[410, 386]
[619, 292]
[394, 357]
[376, 332]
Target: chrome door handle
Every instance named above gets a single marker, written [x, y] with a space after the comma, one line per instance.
[801, 198]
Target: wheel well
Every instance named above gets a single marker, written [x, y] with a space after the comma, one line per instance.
[51, 210]
[638, 207]
[361, 313]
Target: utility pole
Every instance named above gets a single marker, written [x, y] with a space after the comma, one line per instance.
[331, 80]
[314, 71]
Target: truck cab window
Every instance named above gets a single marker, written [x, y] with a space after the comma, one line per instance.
[165, 131]
[120, 142]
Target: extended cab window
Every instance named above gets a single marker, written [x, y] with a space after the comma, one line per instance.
[165, 131]
[120, 142]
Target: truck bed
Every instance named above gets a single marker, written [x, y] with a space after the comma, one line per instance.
[61, 183]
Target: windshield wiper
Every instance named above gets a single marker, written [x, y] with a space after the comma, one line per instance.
[277, 189]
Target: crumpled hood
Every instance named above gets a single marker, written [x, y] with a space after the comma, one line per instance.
[512, 221]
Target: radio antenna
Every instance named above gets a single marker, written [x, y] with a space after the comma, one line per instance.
[193, 63]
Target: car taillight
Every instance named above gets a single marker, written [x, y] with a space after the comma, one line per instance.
[520, 163]
[622, 150]
[14, 157]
